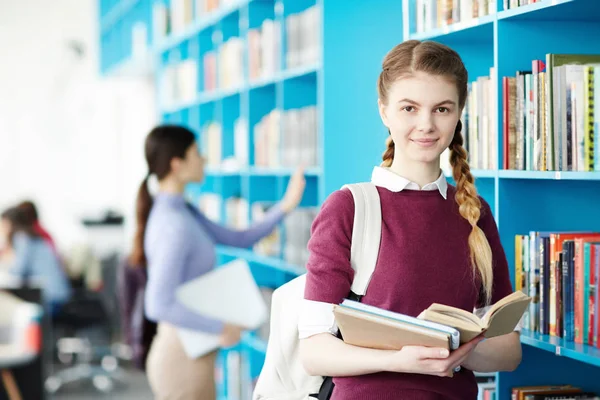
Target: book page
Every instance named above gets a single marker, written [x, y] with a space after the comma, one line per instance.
[468, 330]
[505, 319]
[456, 313]
[513, 297]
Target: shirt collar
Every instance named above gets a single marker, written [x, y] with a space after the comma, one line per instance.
[386, 178]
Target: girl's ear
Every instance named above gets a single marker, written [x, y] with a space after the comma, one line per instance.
[175, 165]
[382, 112]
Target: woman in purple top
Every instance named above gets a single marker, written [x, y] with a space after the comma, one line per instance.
[176, 243]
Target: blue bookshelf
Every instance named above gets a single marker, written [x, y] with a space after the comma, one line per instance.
[339, 82]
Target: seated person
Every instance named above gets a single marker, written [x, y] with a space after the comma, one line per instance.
[33, 259]
[30, 212]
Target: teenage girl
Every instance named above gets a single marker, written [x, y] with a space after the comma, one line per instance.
[439, 243]
[176, 242]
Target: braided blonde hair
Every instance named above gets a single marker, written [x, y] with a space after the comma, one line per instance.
[437, 59]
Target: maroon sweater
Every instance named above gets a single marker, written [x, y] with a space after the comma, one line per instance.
[423, 258]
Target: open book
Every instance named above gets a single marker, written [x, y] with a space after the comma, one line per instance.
[501, 318]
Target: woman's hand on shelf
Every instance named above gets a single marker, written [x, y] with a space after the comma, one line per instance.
[294, 191]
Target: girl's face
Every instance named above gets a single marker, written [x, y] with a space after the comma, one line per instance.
[421, 114]
[190, 168]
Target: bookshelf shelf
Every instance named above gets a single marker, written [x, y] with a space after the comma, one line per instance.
[205, 22]
[550, 175]
[116, 13]
[484, 173]
[584, 353]
[549, 10]
[479, 28]
[261, 171]
[255, 343]
[299, 72]
[220, 94]
[270, 262]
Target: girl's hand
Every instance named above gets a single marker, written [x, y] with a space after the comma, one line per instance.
[295, 191]
[231, 335]
[430, 360]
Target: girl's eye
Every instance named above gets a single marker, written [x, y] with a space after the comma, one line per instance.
[408, 108]
[441, 110]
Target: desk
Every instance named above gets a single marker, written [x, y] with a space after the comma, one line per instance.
[30, 378]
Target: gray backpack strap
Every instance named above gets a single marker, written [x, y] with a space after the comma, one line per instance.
[366, 234]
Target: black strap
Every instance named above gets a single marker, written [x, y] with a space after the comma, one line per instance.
[326, 389]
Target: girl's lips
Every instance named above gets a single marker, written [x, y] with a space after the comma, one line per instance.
[425, 142]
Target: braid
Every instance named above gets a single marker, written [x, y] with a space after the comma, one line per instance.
[469, 207]
[388, 154]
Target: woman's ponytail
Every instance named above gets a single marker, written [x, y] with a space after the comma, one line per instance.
[143, 207]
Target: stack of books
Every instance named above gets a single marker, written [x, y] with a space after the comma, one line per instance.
[438, 326]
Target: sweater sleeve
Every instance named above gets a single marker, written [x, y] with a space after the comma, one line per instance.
[329, 273]
[246, 237]
[502, 285]
[165, 273]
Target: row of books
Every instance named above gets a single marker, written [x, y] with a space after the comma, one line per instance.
[291, 239]
[287, 139]
[232, 374]
[222, 69]
[264, 50]
[288, 240]
[303, 38]
[479, 123]
[487, 391]
[211, 138]
[178, 15]
[511, 4]
[179, 83]
[433, 14]
[560, 272]
[551, 115]
[551, 392]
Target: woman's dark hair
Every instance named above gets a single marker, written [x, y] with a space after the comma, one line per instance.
[20, 222]
[30, 210]
[163, 143]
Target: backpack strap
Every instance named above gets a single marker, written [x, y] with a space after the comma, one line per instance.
[366, 234]
[366, 238]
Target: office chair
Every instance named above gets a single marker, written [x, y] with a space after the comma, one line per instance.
[88, 324]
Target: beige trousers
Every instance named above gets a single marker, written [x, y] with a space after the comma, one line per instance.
[174, 376]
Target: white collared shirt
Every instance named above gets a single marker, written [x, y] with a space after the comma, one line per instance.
[386, 178]
[317, 317]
